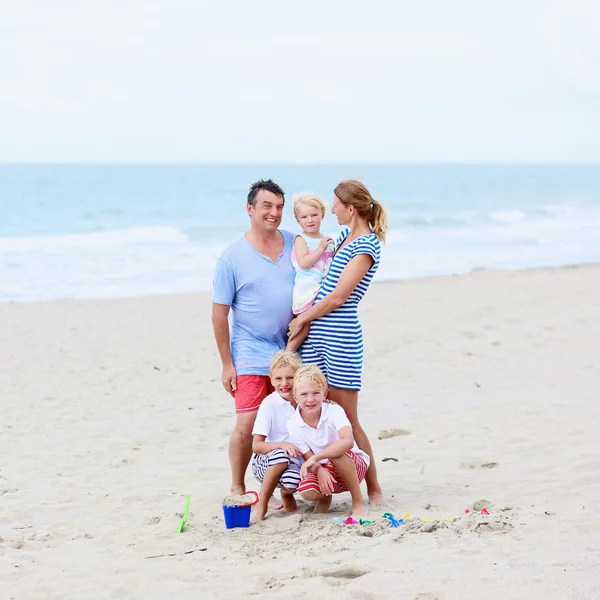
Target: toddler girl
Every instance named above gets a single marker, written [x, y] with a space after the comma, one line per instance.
[311, 257]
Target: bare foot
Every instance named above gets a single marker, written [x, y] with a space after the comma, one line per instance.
[360, 511]
[237, 489]
[289, 502]
[258, 513]
[376, 498]
[275, 503]
[322, 505]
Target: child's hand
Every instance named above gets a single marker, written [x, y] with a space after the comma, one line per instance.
[324, 243]
[326, 481]
[290, 449]
[311, 462]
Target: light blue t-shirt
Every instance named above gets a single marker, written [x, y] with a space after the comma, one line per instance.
[259, 292]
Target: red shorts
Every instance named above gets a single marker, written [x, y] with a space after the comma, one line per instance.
[311, 482]
[250, 391]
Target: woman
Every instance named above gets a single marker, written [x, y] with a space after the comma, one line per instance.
[335, 342]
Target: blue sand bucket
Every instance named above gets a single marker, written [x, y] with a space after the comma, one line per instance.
[239, 515]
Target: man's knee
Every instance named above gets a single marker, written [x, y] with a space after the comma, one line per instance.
[244, 423]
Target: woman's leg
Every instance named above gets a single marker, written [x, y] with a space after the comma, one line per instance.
[348, 400]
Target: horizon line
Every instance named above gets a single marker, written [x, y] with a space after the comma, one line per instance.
[297, 163]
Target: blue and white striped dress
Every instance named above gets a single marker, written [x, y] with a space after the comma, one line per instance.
[335, 341]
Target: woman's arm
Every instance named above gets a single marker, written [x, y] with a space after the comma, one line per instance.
[351, 276]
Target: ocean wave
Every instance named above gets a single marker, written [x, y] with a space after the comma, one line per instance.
[508, 216]
[98, 239]
[418, 221]
[556, 210]
[395, 237]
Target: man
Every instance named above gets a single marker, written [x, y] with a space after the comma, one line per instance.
[254, 278]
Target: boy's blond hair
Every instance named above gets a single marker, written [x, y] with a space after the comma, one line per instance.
[313, 376]
[285, 358]
[309, 200]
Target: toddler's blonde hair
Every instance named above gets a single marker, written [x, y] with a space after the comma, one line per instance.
[285, 358]
[309, 200]
[313, 376]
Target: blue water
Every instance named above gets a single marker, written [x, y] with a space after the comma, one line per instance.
[109, 231]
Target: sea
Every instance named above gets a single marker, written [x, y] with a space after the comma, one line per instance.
[100, 231]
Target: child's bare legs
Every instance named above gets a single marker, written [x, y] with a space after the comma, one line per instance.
[323, 502]
[289, 502]
[346, 469]
[297, 341]
[270, 481]
[348, 400]
[275, 503]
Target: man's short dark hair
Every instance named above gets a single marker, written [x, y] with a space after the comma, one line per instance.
[264, 184]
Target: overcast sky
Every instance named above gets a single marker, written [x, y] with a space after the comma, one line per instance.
[324, 81]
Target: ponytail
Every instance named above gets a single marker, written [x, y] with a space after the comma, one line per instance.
[378, 221]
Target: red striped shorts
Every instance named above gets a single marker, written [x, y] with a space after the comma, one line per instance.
[311, 481]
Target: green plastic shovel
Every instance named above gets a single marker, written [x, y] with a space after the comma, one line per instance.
[186, 512]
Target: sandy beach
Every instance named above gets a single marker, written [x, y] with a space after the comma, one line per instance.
[111, 411]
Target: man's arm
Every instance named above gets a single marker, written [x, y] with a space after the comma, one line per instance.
[220, 320]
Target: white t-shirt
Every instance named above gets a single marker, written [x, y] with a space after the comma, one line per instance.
[272, 417]
[332, 419]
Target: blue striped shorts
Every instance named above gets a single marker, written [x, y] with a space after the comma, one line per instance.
[290, 478]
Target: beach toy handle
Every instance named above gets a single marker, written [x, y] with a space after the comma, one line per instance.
[255, 501]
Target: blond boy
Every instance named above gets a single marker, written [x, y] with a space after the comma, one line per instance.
[276, 461]
[322, 432]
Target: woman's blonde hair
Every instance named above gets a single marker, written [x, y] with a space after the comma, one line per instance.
[313, 376]
[309, 200]
[354, 193]
[285, 358]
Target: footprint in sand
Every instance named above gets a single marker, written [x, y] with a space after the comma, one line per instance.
[472, 465]
[345, 573]
[390, 433]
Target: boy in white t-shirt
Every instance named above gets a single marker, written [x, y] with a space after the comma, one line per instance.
[276, 461]
[323, 433]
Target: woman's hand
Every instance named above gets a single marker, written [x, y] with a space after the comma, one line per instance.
[294, 328]
[311, 462]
